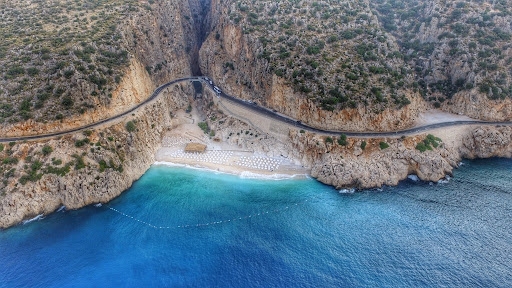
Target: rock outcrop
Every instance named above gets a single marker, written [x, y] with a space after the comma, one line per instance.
[109, 168]
[351, 166]
[487, 142]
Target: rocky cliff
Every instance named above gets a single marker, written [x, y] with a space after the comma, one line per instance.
[84, 168]
[373, 164]
[320, 63]
[460, 51]
[359, 64]
[98, 67]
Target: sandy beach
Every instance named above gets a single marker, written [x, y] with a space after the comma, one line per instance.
[219, 156]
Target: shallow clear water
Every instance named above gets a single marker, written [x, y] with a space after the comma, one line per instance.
[457, 234]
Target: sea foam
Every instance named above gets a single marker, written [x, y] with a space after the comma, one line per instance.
[413, 178]
[38, 217]
[347, 191]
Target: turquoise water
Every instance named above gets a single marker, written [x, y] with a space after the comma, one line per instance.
[456, 234]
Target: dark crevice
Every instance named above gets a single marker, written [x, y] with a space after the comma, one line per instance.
[202, 30]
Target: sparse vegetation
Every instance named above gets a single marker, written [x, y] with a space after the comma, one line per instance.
[130, 126]
[429, 142]
[342, 140]
[47, 46]
[300, 42]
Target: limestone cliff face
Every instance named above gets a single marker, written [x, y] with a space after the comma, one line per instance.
[133, 151]
[233, 55]
[477, 105]
[165, 38]
[284, 100]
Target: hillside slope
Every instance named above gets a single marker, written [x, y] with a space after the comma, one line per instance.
[326, 63]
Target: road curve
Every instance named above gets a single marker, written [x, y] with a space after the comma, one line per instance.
[264, 111]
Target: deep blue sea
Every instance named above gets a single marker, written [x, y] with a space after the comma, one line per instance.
[455, 234]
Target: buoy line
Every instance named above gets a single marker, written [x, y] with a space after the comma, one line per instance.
[208, 223]
[220, 221]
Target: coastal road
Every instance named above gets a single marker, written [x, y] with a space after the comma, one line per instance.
[261, 110]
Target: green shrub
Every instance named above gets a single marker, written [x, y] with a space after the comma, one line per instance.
[58, 171]
[67, 102]
[79, 162]
[130, 126]
[432, 140]
[329, 139]
[10, 160]
[343, 140]
[47, 150]
[422, 147]
[204, 127]
[363, 145]
[383, 145]
[429, 142]
[80, 143]
[1, 147]
[103, 166]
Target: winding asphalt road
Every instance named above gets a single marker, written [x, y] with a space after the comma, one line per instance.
[264, 111]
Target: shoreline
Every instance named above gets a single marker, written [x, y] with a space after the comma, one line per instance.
[244, 174]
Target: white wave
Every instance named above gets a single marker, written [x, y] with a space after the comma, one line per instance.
[243, 174]
[347, 191]
[445, 180]
[38, 217]
[61, 208]
[98, 205]
[171, 164]
[413, 178]
[252, 175]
